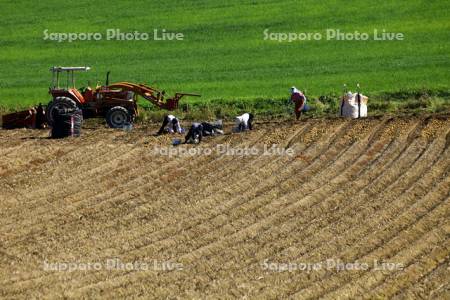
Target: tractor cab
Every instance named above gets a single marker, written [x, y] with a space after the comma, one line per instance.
[69, 90]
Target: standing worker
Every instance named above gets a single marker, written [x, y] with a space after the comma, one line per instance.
[40, 117]
[300, 102]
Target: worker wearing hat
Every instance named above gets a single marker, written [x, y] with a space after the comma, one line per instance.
[300, 102]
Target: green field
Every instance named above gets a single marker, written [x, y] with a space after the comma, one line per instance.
[224, 54]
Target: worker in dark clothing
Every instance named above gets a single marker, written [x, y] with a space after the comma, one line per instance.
[212, 128]
[40, 117]
[195, 134]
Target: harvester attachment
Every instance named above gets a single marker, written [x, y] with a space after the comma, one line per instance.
[155, 96]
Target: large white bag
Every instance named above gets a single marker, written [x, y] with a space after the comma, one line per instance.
[353, 105]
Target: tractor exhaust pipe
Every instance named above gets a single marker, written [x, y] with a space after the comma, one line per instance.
[107, 78]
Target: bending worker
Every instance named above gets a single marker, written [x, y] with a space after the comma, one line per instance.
[300, 102]
[212, 128]
[171, 125]
[195, 134]
[244, 122]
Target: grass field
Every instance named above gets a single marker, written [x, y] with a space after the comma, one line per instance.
[354, 191]
[224, 54]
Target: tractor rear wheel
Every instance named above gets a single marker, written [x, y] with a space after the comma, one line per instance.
[58, 103]
[118, 116]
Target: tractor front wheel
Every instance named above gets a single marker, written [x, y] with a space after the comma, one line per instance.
[118, 116]
[58, 103]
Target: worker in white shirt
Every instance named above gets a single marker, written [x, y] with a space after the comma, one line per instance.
[243, 122]
[171, 124]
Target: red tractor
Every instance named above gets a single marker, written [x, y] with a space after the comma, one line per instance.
[117, 102]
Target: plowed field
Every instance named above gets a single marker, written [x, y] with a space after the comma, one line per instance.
[370, 196]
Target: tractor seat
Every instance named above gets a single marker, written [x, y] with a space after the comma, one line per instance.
[88, 94]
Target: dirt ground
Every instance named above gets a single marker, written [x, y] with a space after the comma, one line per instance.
[357, 208]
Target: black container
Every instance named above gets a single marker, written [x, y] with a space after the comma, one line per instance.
[67, 122]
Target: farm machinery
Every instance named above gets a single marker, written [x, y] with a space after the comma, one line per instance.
[116, 102]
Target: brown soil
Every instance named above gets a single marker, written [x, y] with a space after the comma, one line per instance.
[354, 191]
